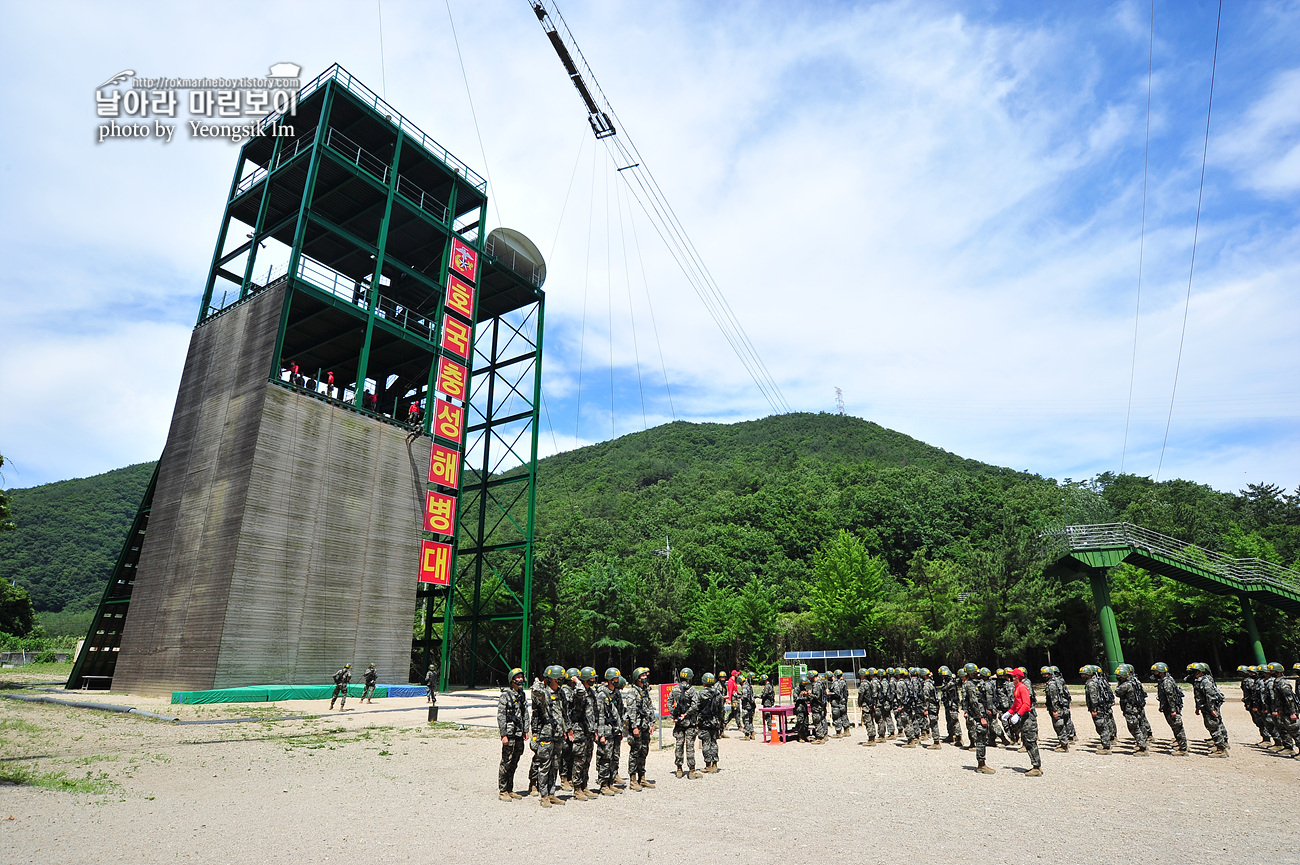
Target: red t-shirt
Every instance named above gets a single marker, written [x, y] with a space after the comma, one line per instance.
[1020, 702]
[732, 687]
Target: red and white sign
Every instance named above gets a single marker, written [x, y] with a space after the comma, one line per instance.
[435, 563]
[464, 260]
[665, 710]
[452, 377]
[455, 336]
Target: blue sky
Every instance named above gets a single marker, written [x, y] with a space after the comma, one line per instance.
[933, 206]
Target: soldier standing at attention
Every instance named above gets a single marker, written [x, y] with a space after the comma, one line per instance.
[1052, 698]
[802, 697]
[1022, 718]
[370, 677]
[341, 679]
[747, 704]
[1132, 698]
[582, 723]
[566, 748]
[720, 692]
[1094, 696]
[431, 685]
[817, 708]
[549, 729]
[1066, 700]
[623, 703]
[972, 704]
[1170, 698]
[950, 695]
[769, 693]
[930, 708]
[838, 695]
[684, 707]
[643, 717]
[879, 712]
[989, 687]
[609, 722]
[512, 724]
[1249, 689]
[1286, 712]
[907, 706]
[709, 723]
[864, 706]
[1209, 703]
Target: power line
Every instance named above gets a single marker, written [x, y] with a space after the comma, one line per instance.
[1187, 304]
[1137, 311]
[383, 73]
[482, 151]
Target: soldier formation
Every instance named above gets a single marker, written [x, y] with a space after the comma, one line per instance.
[567, 717]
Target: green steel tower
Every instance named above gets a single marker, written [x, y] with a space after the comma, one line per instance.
[354, 445]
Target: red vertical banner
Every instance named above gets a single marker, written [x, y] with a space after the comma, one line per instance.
[787, 686]
[452, 378]
[464, 260]
[460, 297]
[456, 336]
[444, 466]
[435, 563]
[448, 420]
[439, 513]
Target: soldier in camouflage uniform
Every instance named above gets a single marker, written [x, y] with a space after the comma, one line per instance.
[710, 723]
[684, 707]
[802, 698]
[1250, 700]
[341, 680]
[1286, 711]
[950, 692]
[512, 724]
[974, 706]
[1052, 699]
[769, 693]
[431, 685]
[1268, 700]
[864, 706]
[1170, 698]
[1098, 707]
[747, 704]
[1066, 700]
[1209, 705]
[992, 699]
[930, 709]
[897, 699]
[642, 718]
[609, 726]
[839, 700]
[817, 709]
[1132, 702]
[624, 729]
[720, 691]
[1003, 691]
[370, 677]
[549, 730]
[566, 749]
[582, 723]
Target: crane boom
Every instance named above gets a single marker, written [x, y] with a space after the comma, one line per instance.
[601, 125]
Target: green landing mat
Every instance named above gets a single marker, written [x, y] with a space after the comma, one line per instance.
[269, 693]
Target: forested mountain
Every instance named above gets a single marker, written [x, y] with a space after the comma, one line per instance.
[796, 531]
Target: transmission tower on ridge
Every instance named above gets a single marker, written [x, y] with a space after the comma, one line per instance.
[839, 402]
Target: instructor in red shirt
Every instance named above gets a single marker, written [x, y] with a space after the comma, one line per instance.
[1024, 721]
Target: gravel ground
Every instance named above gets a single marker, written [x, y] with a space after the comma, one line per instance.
[364, 784]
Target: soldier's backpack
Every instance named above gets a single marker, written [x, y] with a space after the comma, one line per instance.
[338, 678]
[678, 705]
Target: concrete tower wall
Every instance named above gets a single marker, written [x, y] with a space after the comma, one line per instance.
[285, 530]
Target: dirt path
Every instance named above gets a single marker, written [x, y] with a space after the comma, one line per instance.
[362, 786]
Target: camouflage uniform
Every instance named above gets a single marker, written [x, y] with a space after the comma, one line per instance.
[951, 693]
[1053, 698]
[609, 724]
[972, 703]
[1005, 691]
[431, 686]
[549, 729]
[512, 723]
[747, 706]
[1250, 698]
[864, 705]
[817, 710]
[1066, 700]
[1287, 712]
[566, 747]
[1132, 702]
[582, 721]
[1209, 702]
[684, 705]
[720, 692]
[802, 697]
[710, 725]
[993, 699]
[930, 708]
[370, 677]
[1102, 719]
[341, 680]
[885, 706]
[879, 708]
[644, 718]
[1170, 698]
[839, 697]
[769, 695]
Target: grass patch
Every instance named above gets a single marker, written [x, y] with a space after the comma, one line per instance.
[37, 673]
[30, 776]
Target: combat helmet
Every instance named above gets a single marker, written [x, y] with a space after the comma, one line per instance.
[708, 679]
[572, 673]
[554, 671]
[1160, 667]
[1121, 672]
[612, 674]
[685, 674]
[516, 673]
[1275, 667]
[944, 671]
[639, 672]
[839, 672]
[985, 672]
[1045, 671]
[1001, 671]
[587, 674]
[970, 670]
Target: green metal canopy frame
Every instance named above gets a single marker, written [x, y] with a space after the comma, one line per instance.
[1092, 550]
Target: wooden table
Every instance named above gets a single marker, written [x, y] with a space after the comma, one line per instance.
[782, 715]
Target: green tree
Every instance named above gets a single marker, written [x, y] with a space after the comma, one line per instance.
[17, 617]
[846, 596]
